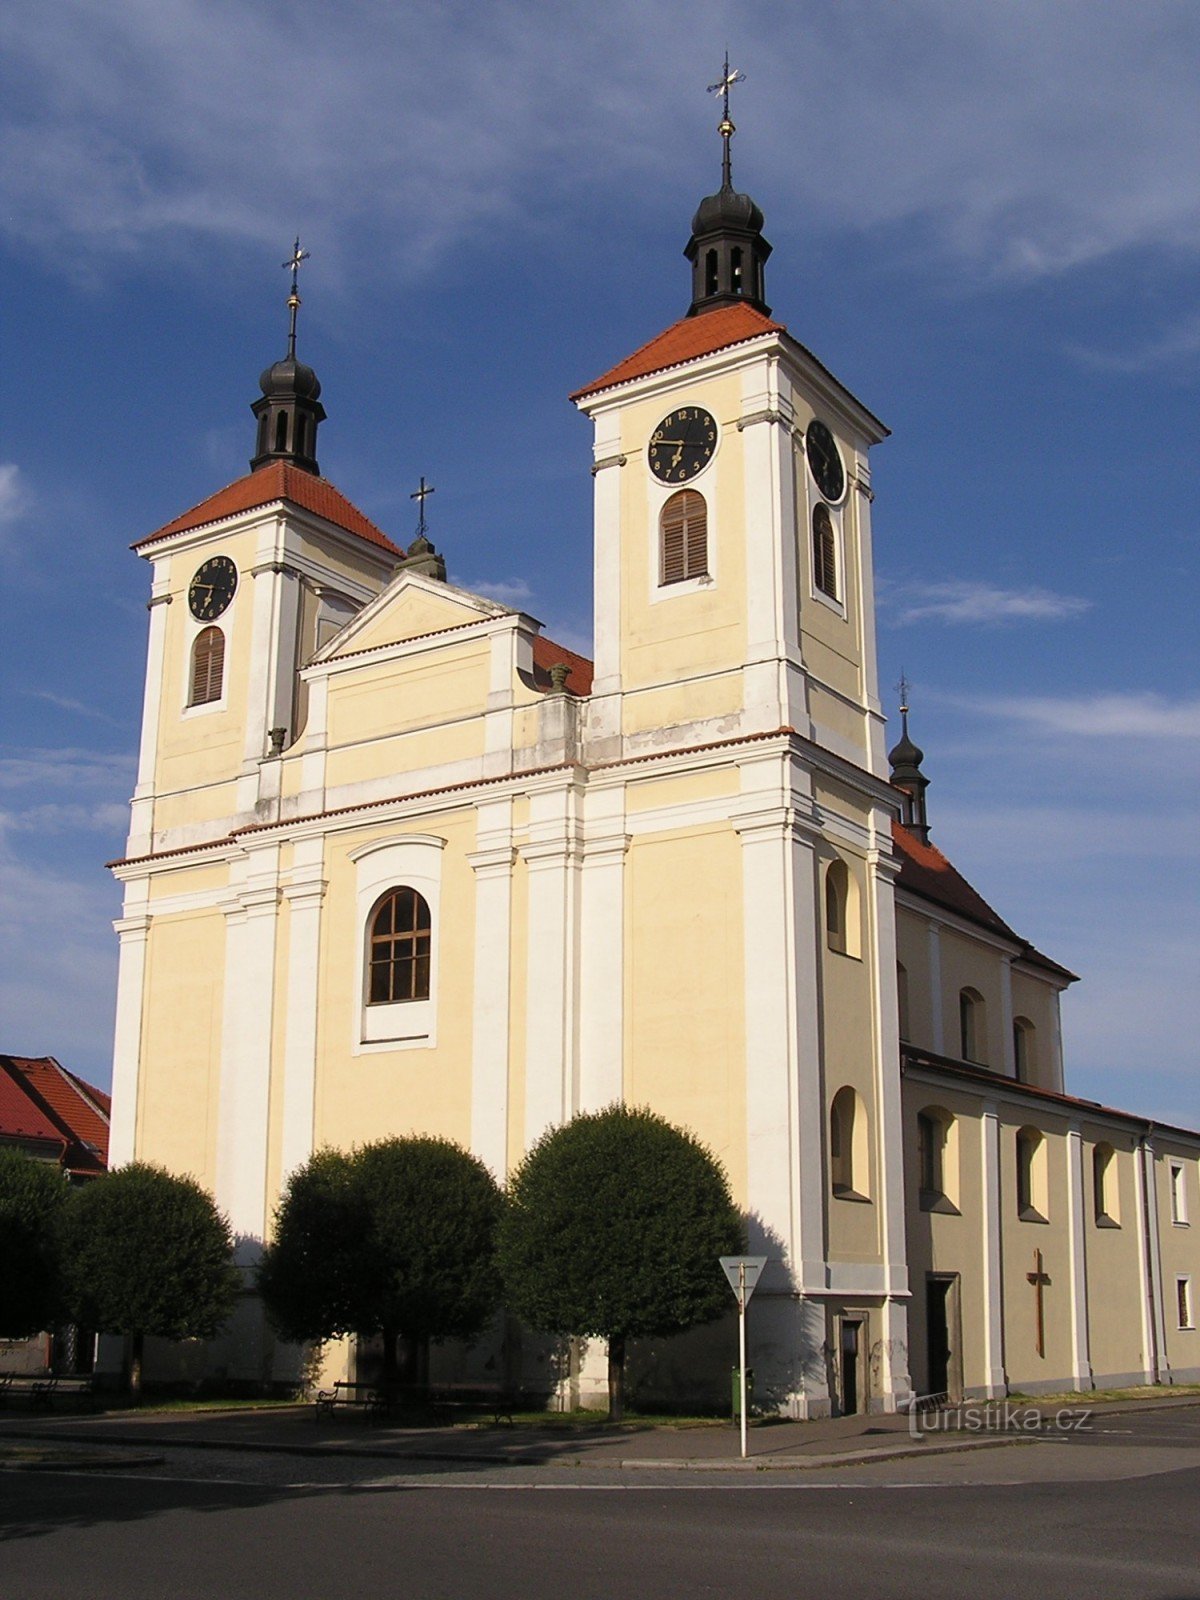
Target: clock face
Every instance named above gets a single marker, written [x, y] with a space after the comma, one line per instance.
[824, 462]
[213, 587]
[682, 445]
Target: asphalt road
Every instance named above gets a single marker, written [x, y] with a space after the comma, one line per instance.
[1112, 1515]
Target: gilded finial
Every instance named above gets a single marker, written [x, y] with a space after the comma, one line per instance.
[725, 127]
[293, 300]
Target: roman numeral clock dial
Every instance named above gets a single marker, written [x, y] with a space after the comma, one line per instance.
[682, 445]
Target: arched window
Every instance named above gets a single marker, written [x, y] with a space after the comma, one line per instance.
[208, 666]
[710, 272]
[281, 430]
[848, 1150]
[1105, 1189]
[902, 999]
[824, 552]
[937, 1159]
[735, 262]
[1024, 1052]
[1032, 1202]
[398, 958]
[683, 537]
[837, 894]
[972, 1026]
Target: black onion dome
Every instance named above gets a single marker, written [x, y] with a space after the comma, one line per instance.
[905, 753]
[727, 209]
[290, 377]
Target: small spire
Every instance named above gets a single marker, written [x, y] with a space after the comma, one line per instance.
[725, 127]
[294, 301]
[421, 555]
[905, 759]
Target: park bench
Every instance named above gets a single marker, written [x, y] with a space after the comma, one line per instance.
[346, 1396]
[44, 1391]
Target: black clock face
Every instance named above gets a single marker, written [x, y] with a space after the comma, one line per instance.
[682, 445]
[212, 588]
[823, 461]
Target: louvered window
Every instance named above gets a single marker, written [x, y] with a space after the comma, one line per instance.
[824, 552]
[399, 953]
[683, 540]
[208, 666]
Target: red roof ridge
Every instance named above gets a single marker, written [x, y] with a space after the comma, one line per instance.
[281, 480]
[686, 340]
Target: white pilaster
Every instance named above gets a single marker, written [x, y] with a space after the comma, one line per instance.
[602, 953]
[141, 809]
[251, 922]
[1154, 1333]
[607, 480]
[304, 894]
[551, 858]
[894, 1373]
[996, 1381]
[937, 1021]
[1081, 1364]
[133, 931]
[492, 864]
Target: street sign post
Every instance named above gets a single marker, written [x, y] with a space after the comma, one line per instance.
[743, 1273]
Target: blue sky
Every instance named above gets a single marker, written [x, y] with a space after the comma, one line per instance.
[986, 221]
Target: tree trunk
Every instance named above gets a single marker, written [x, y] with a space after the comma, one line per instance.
[616, 1377]
[391, 1366]
[136, 1341]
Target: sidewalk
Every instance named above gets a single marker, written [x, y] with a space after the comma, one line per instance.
[837, 1441]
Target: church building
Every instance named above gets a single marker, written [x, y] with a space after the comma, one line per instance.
[400, 863]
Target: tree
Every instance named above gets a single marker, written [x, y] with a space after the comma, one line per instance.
[396, 1239]
[32, 1194]
[147, 1252]
[614, 1226]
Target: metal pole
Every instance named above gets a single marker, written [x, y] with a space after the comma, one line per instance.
[742, 1346]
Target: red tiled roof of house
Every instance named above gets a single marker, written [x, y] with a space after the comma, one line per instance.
[925, 871]
[687, 340]
[547, 654]
[65, 1108]
[279, 481]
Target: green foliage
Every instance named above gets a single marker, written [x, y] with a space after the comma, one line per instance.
[614, 1227]
[396, 1238]
[146, 1252]
[32, 1195]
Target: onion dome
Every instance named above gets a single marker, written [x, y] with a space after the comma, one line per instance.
[905, 758]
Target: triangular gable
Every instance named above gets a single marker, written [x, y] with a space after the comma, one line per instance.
[409, 608]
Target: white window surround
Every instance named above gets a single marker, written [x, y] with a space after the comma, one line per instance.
[194, 628]
[705, 483]
[1186, 1318]
[1177, 1178]
[837, 514]
[414, 861]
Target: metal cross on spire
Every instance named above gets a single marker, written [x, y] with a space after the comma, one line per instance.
[297, 256]
[902, 689]
[420, 496]
[725, 127]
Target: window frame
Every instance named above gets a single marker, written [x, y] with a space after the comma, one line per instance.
[972, 1021]
[1185, 1310]
[401, 861]
[1106, 1186]
[686, 576]
[1177, 1191]
[849, 1146]
[1032, 1175]
[218, 702]
[414, 942]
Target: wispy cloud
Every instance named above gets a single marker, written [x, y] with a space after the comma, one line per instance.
[13, 494]
[75, 707]
[505, 591]
[1180, 343]
[133, 130]
[68, 772]
[1100, 716]
[966, 601]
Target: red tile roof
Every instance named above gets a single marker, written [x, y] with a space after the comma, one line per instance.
[925, 871]
[547, 654]
[279, 481]
[687, 340]
[40, 1101]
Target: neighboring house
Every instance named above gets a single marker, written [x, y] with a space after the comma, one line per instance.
[56, 1117]
[397, 862]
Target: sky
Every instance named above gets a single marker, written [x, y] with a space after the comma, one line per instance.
[985, 220]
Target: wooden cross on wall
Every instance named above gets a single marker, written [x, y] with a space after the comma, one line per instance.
[1040, 1281]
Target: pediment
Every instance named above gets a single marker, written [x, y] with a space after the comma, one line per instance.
[411, 606]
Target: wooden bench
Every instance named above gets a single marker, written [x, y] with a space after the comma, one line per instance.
[347, 1396]
[451, 1400]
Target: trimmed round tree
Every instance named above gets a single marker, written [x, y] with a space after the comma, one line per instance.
[397, 1239]
[32, 1196]
[147, 1252]
[614, 1228]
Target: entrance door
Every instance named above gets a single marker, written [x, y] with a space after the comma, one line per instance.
[851, 1353]
[942, 1336]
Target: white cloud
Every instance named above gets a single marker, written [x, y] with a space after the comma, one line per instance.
[68, 771]
[76, 707]
[1099, 716]
[965, 601]
[1180, 343]
[13, 496]
[1028, 138]
[505, 591]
